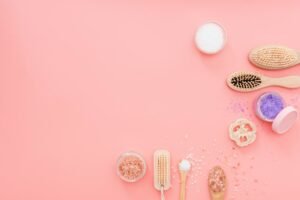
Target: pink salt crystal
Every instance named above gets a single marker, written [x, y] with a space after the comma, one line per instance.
[217, 180]
[131, 167]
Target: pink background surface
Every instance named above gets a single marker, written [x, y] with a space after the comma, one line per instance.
[82, 81]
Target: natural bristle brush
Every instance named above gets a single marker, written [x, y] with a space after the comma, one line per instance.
[274, 57]
[249, 81]
[162, 173]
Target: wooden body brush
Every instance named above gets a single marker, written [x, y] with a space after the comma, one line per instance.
[162, 174]
[274, 57]
[249, 81]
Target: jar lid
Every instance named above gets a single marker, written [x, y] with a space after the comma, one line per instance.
[285, 119]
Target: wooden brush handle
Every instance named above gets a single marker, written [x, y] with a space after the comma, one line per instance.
[182, 186]
[162, 193]
[287, 82]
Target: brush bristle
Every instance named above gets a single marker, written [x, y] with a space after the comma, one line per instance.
[273, 57]
[162, 169]
[245, 81]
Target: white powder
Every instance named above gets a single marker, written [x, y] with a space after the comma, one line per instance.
[210, 38]
[185, 165]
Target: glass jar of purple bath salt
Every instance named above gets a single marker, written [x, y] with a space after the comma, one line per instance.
[271, 107]
[268, 106]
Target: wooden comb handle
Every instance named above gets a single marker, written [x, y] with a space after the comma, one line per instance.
[287, 82]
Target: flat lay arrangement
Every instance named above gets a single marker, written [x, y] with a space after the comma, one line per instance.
[151, 100]
[269, 106]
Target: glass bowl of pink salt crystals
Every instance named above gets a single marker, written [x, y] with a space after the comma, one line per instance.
[131, 167]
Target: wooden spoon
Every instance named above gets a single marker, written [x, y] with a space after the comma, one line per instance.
[184, 168]
[217, 183]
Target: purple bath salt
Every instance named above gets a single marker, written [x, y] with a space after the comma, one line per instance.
[269, 105]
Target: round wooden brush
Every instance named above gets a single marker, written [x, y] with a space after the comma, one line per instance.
[274, 57]
[249, 81]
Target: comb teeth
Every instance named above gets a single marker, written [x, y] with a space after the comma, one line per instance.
[162, 170]
[245, 80]
[273, 57]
